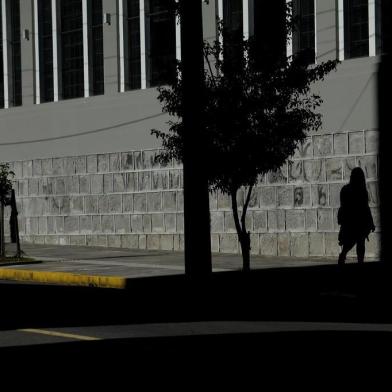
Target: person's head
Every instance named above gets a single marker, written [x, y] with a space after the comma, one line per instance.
[357, 178]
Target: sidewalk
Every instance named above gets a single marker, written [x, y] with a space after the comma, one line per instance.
[113, 267]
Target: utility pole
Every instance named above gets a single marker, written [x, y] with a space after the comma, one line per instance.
[196, 195]
[385, 128]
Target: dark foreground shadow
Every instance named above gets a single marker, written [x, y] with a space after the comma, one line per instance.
[351, 292]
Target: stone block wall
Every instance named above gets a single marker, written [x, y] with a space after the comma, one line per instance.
[127, 200]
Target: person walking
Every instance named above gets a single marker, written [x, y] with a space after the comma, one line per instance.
[354, 216]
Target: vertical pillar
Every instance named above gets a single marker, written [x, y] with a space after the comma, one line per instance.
[289, 47]
[85, 49]
[37, 82]
[372, 27]
[245, 18]
[121, 45]
[5, 53]
[143, 46]
[56, 40]
[340, 30]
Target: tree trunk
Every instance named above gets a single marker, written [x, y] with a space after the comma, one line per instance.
[243, 235]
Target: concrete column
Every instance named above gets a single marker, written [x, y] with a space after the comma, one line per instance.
[112, 38]
[27, 50]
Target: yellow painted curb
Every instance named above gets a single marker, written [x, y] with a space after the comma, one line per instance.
[64, 278]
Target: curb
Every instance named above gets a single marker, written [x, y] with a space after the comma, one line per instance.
[63, 278]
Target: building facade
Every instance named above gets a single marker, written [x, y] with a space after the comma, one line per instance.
[78, 100]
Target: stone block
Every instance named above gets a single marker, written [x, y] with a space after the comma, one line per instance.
[268, 197]
[108, 183]
[58, 166]
[157, 223]
[130, 241]
[36, 168]
[374, 198]
[125, 182]
[334, 194]
[27, 169]
[159, 180]
[314, 170]
[71, 185]
[39, 239]
[114, 241]
[299, 244]
[180, 201]
[283, 244]
[144, 181]
[296, 171]
[217, 221]
[356, 143]
[170, 223]
[96, 224]
[84, 184]
[154, 202]
[65, 205]
[340, 144]
[176, 242]
[285, 196]
[127, 202]
[53, 206]
[376, 217]
[96, 181]
[140, 202]
[137, 223]
[75, 165]
[51, 240]
[23, 188]
[91, 205]
[59, 224]
[153, 241]
[311, 220]
[115, 203]
[47, 167]
[254, 244]
[180, 223]
[174, 179]
[114, 162]
[213, 201]
[47, 186]
[316, 244]
[322, 145]
[78, 240]
[373, 247]
[295, 220]
[224, 201]
[331, 244]
[254, 201]
[371, 141]
[122, 224]
[368, 163]
[60, 186]
[127, 161]
[348, 165]
[107, 222]
[150, 159]
[214, 243]
[229, 223]
[304, 149]
[92, 164]
[269, 244]
[324, 219]
[334, 169]
[71, 224]
[33, 184]
[138, 160]
[167, 242]
[96, 240]
[276, 220]
[260, 221]
[302, 196]
[229, 243]
[336, 227]
[320, 195]
[31, 225]
[279, 176]
[17, 168]
[76, 205]
[147, 224]
[42, 225]
[50, 224]
[103, 163]
[85, 224]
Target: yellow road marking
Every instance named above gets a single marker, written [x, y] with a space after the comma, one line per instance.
[59, 334]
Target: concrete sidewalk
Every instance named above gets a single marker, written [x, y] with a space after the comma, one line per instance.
[113, 267]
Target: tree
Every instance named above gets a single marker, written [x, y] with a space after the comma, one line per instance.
[255, 114]
[5, 193]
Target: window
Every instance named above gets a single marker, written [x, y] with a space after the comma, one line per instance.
[15, 54]
[96, 48]
[270, 31]
[304, 33]
[46, 50]
[356, 28]
[72, 49]
[160, 29]
[232, 31]
[132, 55]
[1, 61]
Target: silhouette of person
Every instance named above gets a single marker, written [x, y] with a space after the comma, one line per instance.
[354, 216]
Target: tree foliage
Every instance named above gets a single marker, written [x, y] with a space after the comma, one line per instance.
[256, 112]
[6, 176]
